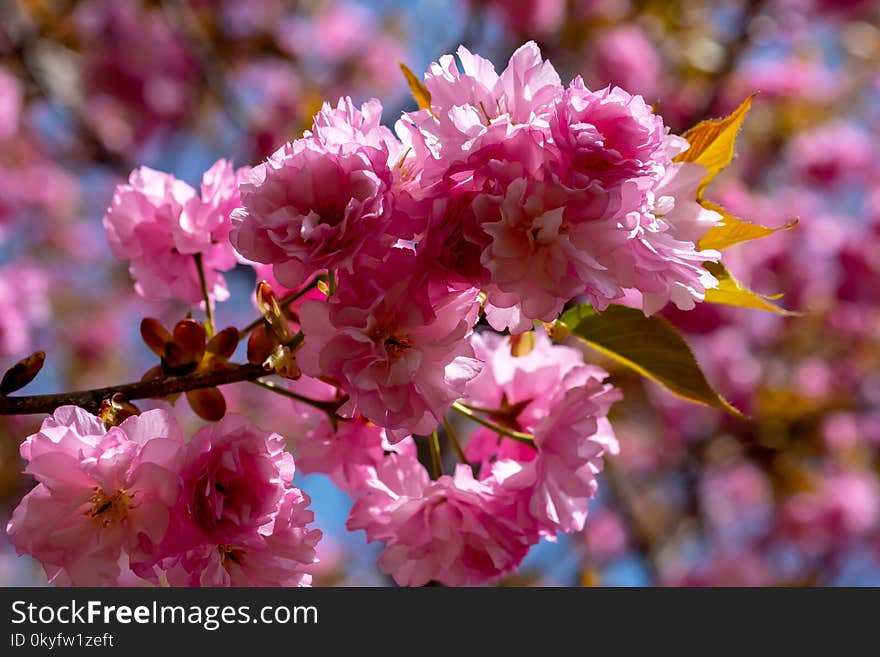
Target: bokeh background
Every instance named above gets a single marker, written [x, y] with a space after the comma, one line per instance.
[90, 90]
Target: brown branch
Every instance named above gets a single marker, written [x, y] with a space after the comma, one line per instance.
[159, 387]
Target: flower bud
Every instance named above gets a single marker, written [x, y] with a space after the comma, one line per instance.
[268, 305]
[22, 373]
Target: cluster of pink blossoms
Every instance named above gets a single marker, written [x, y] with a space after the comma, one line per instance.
[510, 186]
[510, 196]
[160, 224]
[478, 524]
[137, 505]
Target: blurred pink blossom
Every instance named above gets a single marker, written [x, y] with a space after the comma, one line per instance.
[159, 224]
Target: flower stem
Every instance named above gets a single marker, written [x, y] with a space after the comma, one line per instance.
[331, 283]
[481, 409]
[329, 407]
[524, 438]
[436, 458]
[453, 438]
[209, 309]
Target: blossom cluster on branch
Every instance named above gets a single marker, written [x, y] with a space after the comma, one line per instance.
[136, 504]
[416, 269]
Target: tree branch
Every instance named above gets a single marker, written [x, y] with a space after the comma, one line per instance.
[159, 387]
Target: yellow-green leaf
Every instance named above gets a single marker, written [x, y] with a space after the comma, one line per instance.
[730, 292]
[649, 345]
[417, 87]
[733, 230]
[712, 142]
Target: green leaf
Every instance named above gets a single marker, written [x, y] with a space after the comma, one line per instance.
[649, 345]
[712, 142]
[417, 87]
[730, 292]
[733, 230]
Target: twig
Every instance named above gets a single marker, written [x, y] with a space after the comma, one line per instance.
[329, 407]
[453, 438]
[519, 436]
[159, 387]
[436, 456]
[209, 308]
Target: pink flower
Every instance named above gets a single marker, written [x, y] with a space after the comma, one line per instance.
[344, 29]
[475, 107]
[659, 259]
[454, 530]
[563, 402]
[609, 136]
[394, 340]
[160, 223]
[612, 140]
[346, 453]
[273, 88]
[279, 553]
[736, 502]
[562, 191]
[43, 192]
[319, 201]
[234, 477]
[843, 506]
[789, 76]
[509, 318]
[522, 92]
[571, 442]
[726, 568]
[346, 45]
[104, 499]
[239, 521]
[346, 128]
[532, 258]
